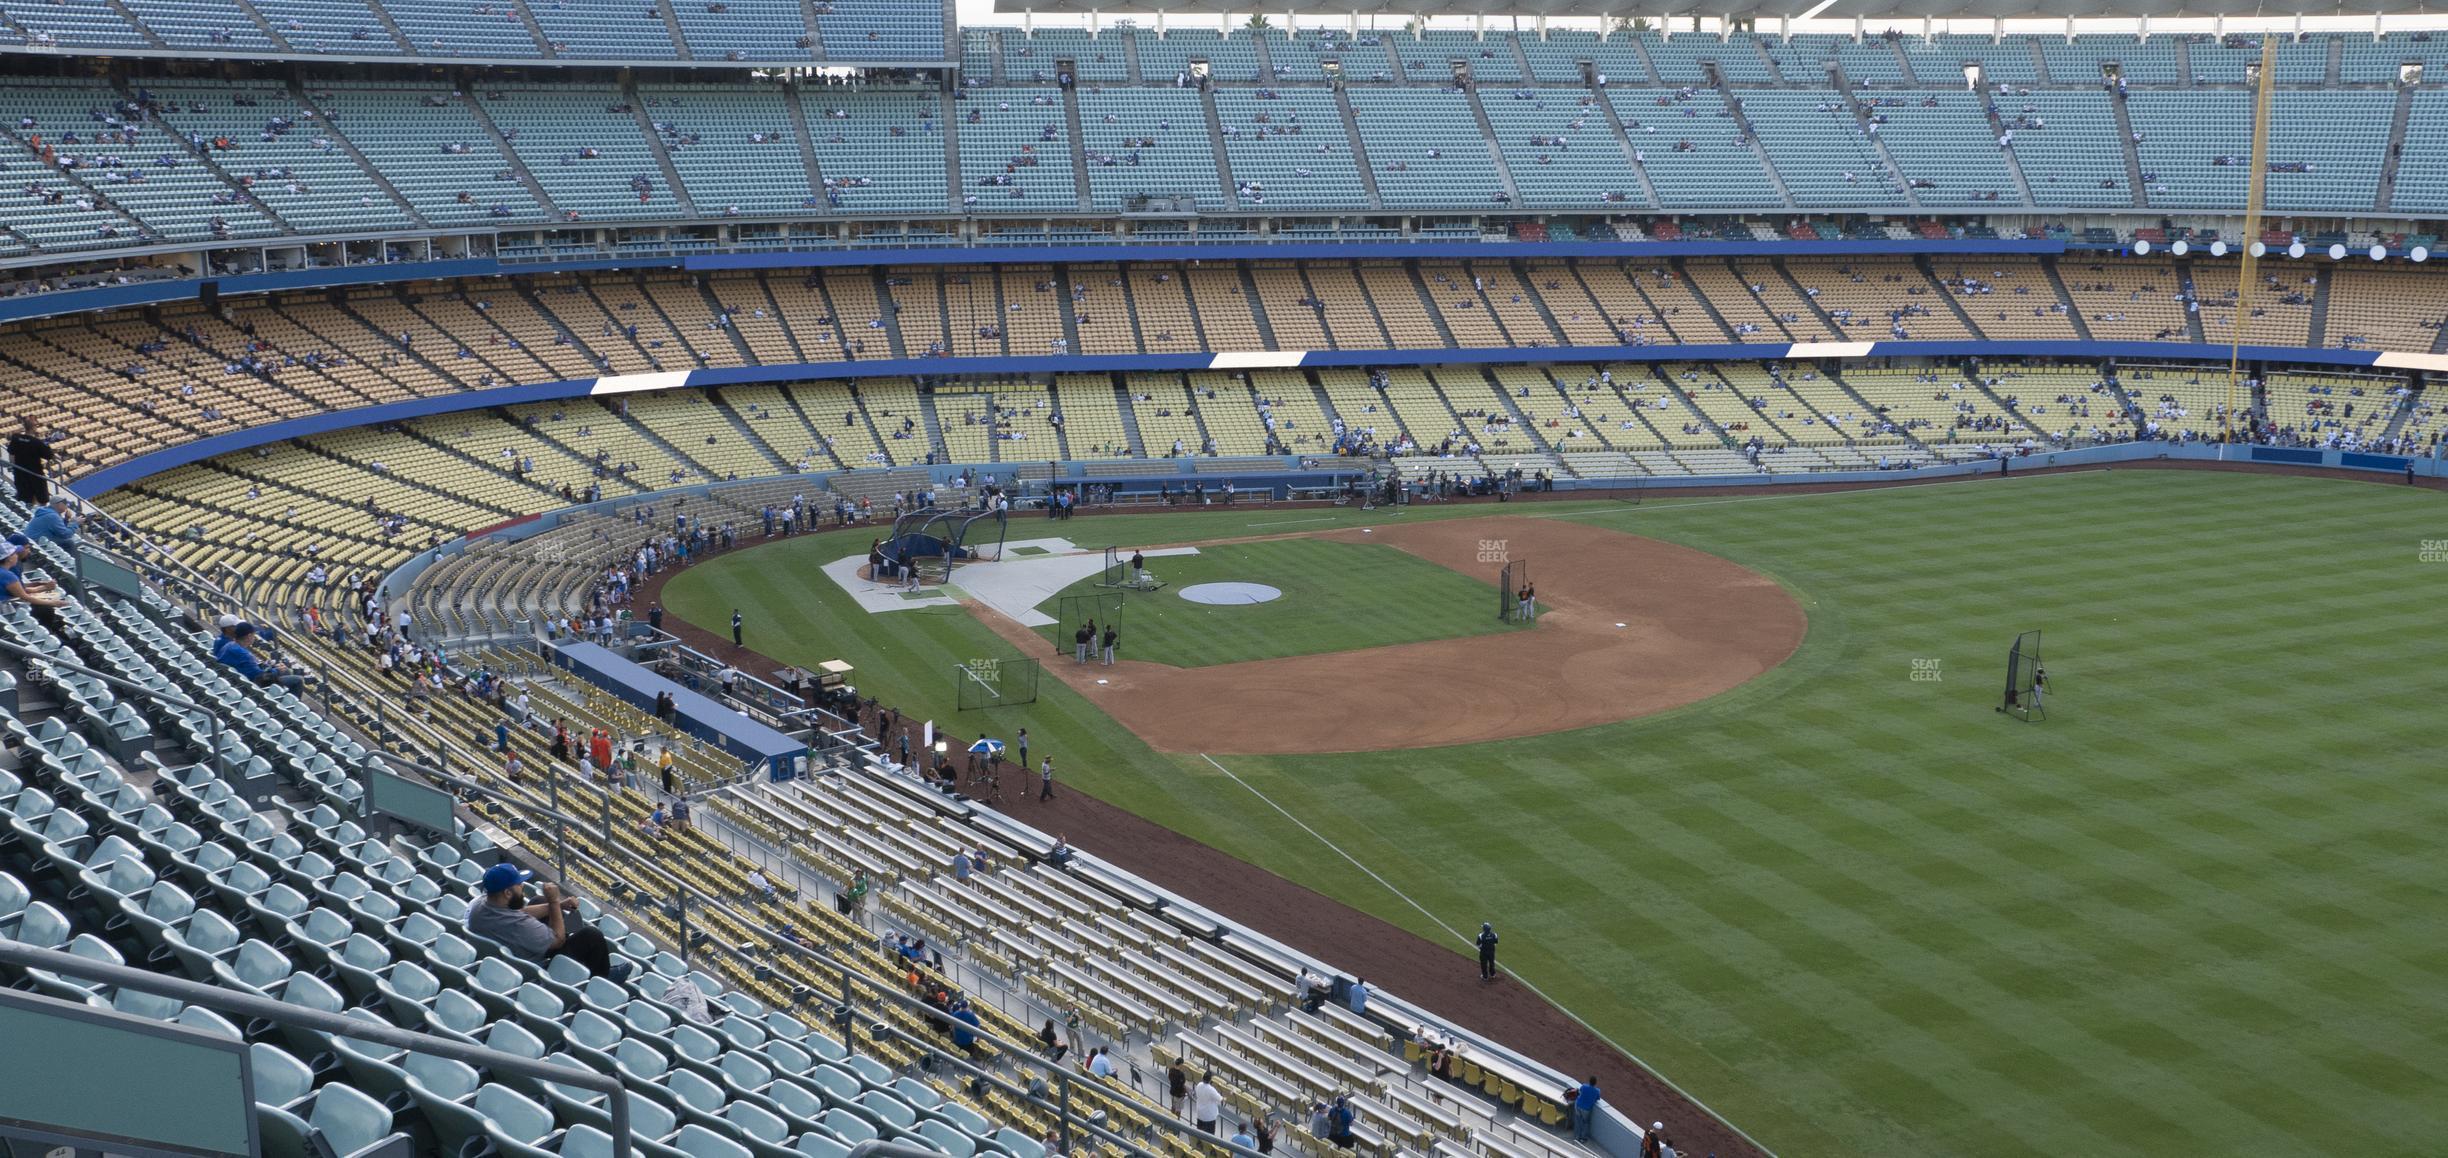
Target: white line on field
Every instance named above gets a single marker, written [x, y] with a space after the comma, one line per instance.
[1289, 522]
[1457, 935]
[1813, 494]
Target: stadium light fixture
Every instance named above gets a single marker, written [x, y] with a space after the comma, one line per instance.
[2337, 251]
[2218, 249]
[2295, 249]
[2420, 253]
[2257, 249]
[2179, 248]
[2142, 247]
[2379, 252]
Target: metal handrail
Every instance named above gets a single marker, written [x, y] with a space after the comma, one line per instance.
[442, 746]
[685, 894]
[252, 1006]
[123, 683]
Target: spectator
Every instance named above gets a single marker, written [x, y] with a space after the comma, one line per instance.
[42, 598]
[53, 522]
[1051, 1043]
[1358, 997]
[238, 656]
[1339, 1123]
[1206, 1105]
[1584, 1108]
[965, 1025]
[1177, 1087]
[30, 456]
[539, 931]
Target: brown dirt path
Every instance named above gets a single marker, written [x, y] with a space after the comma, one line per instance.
[1629, 627]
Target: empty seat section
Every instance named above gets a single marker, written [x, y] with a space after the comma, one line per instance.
[605, 29]
[1692, 149]
[1288, 149]
[1561, 149]
[590, 159]
[1147, 142]
[1426, 148]
[1015, 151]
[1824, 154]
[734, 147]
[429, 144]
[741, 30]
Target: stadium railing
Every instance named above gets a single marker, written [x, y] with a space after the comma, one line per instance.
[254, 1007]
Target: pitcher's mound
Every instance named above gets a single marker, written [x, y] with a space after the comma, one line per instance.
[1228, 594]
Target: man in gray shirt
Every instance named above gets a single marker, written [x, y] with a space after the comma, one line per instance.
[541, 930]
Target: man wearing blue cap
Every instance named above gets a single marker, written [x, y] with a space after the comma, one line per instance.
[236, 654]
[40, 596]
[53, 522]
[541, 930]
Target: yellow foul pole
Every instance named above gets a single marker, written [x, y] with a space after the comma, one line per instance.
[2248, 278]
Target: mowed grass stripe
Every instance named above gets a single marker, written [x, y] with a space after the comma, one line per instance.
[2197, 911]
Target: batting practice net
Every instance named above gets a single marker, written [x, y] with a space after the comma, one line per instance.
[1509, 584]
[2026, 689]
[995, 683]
[1119, 575]
[1101, 609]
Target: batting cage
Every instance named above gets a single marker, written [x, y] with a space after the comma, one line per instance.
[1119, 575]
[2026, 681]
[1510, 583]
[1073, 610]
[995, 683]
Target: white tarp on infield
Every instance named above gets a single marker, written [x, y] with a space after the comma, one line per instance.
[1016, 586]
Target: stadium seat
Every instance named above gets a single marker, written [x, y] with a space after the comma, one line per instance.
[348, 1124]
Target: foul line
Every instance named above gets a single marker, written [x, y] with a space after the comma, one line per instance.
[1457, 935]
[1920, 486]
[1289, 522]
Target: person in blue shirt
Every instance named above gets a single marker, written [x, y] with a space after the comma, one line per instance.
[1584, 1109]
[52, 522]
[1339, 1124]
[236, 654]
[42, 598]
[964, 1033]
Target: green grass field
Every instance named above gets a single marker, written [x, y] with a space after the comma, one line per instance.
[1336, 597]
[2200, 910]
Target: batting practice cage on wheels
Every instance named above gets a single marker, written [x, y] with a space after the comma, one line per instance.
[1509, 584]
[1100, 609]
[2026, 683]
[995, 683]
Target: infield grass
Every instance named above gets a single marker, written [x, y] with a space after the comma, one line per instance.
[2200, 910]
[1336, 597]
